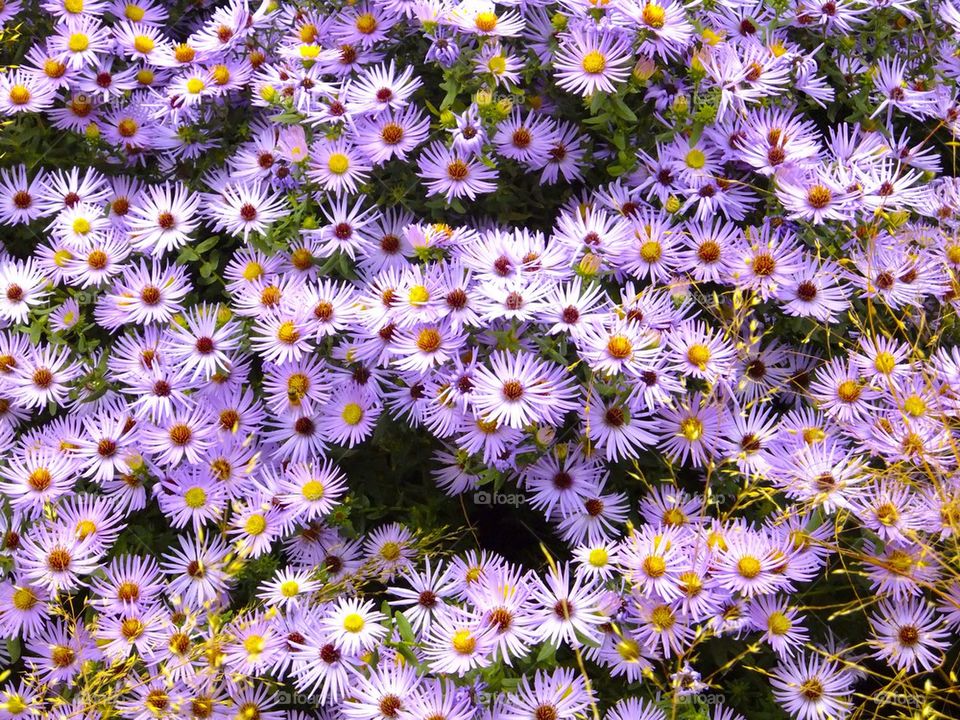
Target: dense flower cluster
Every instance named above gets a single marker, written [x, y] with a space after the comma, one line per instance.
[679, 279]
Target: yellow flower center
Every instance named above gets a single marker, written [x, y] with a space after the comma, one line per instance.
[429, 340]
[716, 540]
[629, 650]
[418, 295]
[691, 428]
[778, 623]
[297, 386]
[289, 589]
[352, 414]
[53, 68]
[366, 23]
[914, 406]
[698, 355]
[848, 391]
[691, 584]
[221, 74]
[464, 642]
[353, 623]
[145, 76]
[885, 362]
[497, 64]
[338, 163]
[134, 12]
[598, 557]
[900, 561]
[255, 525]
[127, 127]
[15, 705]
[819, 196]
[24, 599]
[619, 347]
[654, 15]
[748, 567]
[887, 514]
[142, 44]
[19, 95]
[131, 628]
[288, 333]
[662, 618]
[390, 551]
[651, 251]
[313, 490]
[486, 21]
[301, 258]
[594, 62]
[195, 498]
[184, 53]
[78, 42]
[85, 528]
[195, 86]
[254, 645]
[252, 271]
[81, 226]
[696, 159]
[654, 566]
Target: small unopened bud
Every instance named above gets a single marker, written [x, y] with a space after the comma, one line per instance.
[589, 264]
[710, 37]
[644, 69]
[268, 92]
[546, 435]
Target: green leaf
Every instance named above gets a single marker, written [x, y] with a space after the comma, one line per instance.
[547, 652]
[403, 625]
[206, 244]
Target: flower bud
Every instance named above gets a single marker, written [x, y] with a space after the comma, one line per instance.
[589, 265]
[546, 435]
[644, 69]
